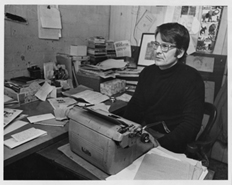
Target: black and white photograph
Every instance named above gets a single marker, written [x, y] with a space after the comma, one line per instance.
[116, 92]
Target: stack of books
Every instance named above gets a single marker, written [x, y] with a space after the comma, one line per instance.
[97, 49]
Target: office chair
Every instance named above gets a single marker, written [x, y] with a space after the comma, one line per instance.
[201, 147]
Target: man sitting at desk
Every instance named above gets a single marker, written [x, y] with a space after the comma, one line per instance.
[169, 92]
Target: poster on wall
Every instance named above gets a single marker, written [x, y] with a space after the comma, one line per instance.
[210, 21]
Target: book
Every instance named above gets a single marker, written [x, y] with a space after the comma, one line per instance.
[97, 39]
[10, 114]
[97, 51]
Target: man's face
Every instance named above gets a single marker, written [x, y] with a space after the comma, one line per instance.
[163, 59]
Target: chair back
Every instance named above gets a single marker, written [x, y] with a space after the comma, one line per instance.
[201, 147]
[211, 111]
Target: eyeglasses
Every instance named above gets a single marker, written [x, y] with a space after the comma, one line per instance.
[164, 47]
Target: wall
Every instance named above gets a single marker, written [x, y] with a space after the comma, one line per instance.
[124, 20]
[23, 48]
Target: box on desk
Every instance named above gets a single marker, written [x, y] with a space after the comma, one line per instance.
[112, 87]
[92, 81]
[21, 97]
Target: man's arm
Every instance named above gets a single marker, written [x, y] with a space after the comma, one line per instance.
[136, 106]
[192, 115]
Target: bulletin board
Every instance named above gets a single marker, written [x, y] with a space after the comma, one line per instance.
[212, 68]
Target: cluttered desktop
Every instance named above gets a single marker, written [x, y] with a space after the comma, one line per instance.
[75, 105]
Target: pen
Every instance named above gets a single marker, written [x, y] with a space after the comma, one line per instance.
[73, 104]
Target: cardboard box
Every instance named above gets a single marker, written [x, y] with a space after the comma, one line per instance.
[91, 81]
[112, 87]
[22, 97]
[78, 50]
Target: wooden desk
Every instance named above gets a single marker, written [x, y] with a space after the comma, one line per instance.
[54, 134]
[85, 172]
[46, 146]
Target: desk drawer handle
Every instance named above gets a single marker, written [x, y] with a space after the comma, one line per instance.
[87, 152]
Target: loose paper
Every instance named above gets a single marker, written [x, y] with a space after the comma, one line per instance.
[13, 126]
[23, 137]
[44, 91]
[41, 117]
[10, 115]
[92, 97]
[50, 17]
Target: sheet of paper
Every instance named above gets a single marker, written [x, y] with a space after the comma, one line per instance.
[156, 167]
[27, 135]
[7, 98]
[124, 97]
[47, 33]
[10, 115]
[41, 117]
[112, 64]
[61, 102]
[101, 106]
[43, 92]
[146, 21]
[52, 122]
[13, 126]
[50, 17]
[53, 93]
[92, 97]
[23, 137]
[60, 113]
[129, 172]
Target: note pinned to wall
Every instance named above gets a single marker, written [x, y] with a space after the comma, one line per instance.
[146, 21]
[50, 17]
[49, 22]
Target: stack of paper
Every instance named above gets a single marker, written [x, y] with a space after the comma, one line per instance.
[161, 164]
[23, 137]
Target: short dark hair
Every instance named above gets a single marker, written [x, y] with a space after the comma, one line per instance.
[174, 33]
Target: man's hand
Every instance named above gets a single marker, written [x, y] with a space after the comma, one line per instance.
[147, 137]
[153, 140]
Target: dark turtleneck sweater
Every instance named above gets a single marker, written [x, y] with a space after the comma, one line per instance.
[175, 96]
